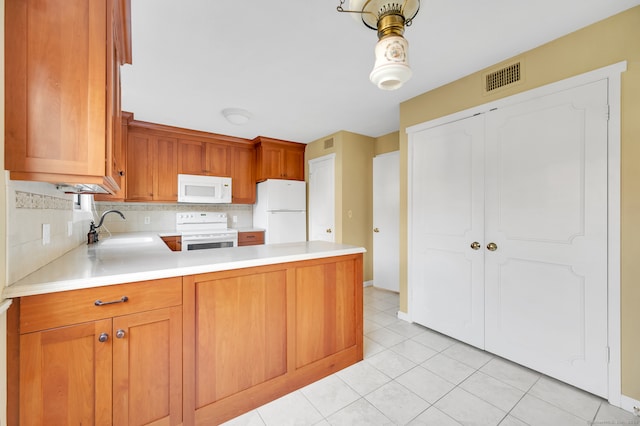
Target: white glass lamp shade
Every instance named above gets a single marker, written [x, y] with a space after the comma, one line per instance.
[391, 69]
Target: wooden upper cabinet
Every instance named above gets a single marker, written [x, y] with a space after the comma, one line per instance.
[152, 173]
[204, 158]
[243, 183]
[278, 159]
[120, 160]
[62, 89]
[139, 167]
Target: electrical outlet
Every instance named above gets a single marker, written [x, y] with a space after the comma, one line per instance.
[147, 220]
[46, 234]
[69, 228]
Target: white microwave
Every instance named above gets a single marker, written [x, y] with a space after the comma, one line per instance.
[204, 189]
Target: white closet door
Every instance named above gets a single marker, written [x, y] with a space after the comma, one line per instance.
[546, 210]
[446, 217]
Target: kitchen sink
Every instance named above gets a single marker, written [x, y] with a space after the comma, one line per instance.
[122, 241]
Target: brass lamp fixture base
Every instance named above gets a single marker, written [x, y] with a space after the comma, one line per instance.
[389, 18]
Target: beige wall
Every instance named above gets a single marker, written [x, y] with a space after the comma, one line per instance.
[604, 43]
[353, 191]
[387, 143]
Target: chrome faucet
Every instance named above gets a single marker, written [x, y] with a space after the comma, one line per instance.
[92, 236]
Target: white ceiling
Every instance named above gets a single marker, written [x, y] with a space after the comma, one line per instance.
[302, 69]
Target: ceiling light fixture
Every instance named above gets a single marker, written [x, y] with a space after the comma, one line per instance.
[236, 116]
[389, 17]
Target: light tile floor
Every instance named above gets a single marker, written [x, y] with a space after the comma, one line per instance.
[414, 376]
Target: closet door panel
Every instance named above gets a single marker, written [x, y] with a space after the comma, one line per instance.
[446, 192]
[546, 211]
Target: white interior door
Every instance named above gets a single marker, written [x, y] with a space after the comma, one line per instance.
[446, 217]
[546, 210]
[386, 221]
[322, 199]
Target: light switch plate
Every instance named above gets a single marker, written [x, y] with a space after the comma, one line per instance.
[46, 234]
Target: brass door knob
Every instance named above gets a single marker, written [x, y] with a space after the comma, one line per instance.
[475, 245]
[492, 247]
[376, 230]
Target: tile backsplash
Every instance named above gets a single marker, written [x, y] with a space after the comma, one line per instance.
[30, 205]
[153, 217]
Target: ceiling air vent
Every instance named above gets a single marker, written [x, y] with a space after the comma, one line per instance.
[328, 143]
[502, 77]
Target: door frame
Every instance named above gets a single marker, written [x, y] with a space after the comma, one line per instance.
[613, 74]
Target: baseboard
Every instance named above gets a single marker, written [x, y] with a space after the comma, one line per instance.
[404, 316]
[368, 283]
[629, 404]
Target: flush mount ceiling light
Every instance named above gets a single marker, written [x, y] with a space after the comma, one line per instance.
[391, 69]
[236, 116]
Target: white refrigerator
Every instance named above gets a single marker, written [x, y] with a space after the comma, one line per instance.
[281, 209]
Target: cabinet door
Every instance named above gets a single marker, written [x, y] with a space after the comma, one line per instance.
[243, 176]
[270, 163]
[293, 164]
[165, 173]
[147, 367]
[191, 157]
[119, 164]
[114, 163]
[219, 159]
[65, 376]
[56, 86]
[139, 167]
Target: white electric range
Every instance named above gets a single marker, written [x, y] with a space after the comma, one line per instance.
[205, 230]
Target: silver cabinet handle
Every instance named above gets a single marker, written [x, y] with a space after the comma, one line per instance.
[101, 303]
[120, 334]
[103, 337]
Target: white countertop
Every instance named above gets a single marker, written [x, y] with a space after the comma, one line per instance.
[131, 257]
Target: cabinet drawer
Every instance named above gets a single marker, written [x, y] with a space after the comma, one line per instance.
[51, 310]
[250, 238]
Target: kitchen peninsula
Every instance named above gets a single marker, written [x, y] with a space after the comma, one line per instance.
[184, 337]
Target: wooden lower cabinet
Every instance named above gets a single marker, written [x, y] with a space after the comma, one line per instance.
[147, 372]
[174, 242]
[193, 350]
[65, 376]
[250, 238]
[118, 369]
[255, 334]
